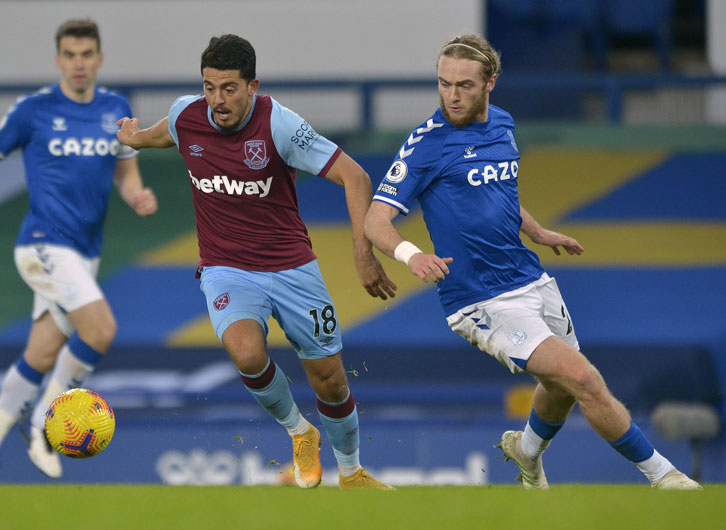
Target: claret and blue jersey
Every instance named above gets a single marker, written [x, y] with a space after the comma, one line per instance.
[70, 151]
[243, 182]
[465, 179]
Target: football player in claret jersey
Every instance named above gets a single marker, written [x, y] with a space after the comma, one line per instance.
[242, 150]
[462, 165]
[72, 158]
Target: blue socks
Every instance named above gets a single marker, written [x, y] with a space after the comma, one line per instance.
[271, 390]
[633, 445]
[27, 371]
[543, 429]
[340, 421]
[76, 361]
[20, 388]
[537, 435]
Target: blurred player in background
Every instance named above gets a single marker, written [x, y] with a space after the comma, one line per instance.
[462, 165]
[256, 260]
[72, 159]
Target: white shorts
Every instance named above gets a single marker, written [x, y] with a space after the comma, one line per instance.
[510, 326]
[62, 279]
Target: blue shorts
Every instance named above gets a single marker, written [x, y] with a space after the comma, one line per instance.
[297, 298]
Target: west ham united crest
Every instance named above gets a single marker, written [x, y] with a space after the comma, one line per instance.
[256, 154]
[221, 301]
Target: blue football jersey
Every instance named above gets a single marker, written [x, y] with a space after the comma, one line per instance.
[466, 181]
[69, 151]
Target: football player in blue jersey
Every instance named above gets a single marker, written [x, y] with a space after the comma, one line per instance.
[462, 165]
[72, 158]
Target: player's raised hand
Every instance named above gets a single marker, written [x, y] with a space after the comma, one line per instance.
[144, 202]
[374, 278]
[429, 267]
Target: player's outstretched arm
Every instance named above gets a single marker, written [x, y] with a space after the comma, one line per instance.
[380, 230]
[155, 136]
[127, 178]
[347, 173]
[548, 238]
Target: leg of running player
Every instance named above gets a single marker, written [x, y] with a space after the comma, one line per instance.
[339, 416]
[95, 330]
[72, 363]
[245, 343]
[22, 381]
[551, 405]
[560, 364]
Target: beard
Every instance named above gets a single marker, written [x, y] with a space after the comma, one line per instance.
[476, 110]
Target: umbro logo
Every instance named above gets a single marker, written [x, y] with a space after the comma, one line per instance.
[196, 150]
[59, 124]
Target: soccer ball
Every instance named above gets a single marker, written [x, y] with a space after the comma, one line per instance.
[79, 423]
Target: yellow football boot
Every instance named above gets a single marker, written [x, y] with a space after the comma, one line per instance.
[306, 458]
[361, 480]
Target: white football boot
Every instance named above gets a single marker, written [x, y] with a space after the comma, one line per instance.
[675, 480]
[43, 455]
[532, 475]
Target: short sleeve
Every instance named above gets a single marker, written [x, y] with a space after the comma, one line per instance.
[413, 169]
[176, 109]
[297, 142]
[15, 127]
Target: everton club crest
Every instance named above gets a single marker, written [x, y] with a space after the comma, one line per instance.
[108, 123]
[256, 154]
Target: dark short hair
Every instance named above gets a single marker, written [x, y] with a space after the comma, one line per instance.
[230, 52]
[79, 28]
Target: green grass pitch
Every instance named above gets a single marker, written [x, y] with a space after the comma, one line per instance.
[563, 507]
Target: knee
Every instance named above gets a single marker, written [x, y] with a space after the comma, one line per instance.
[248, 360]
[588, 384]
[100, 336]
[244, 341]
[333, 393]
[335, 385]
[330, 385]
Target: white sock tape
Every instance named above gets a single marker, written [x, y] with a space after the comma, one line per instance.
[405, 250]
